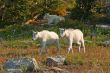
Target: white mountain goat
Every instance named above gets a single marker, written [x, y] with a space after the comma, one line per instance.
[53, 19]
[46, 37]
[74, 36]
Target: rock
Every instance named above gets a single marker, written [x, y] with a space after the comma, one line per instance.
[54, 61]
[106, 42]
[57, 70]
[35, 64]
[20, 65]
[15, 70]
[102, 26]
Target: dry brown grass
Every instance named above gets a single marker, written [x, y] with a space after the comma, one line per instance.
[95, 60]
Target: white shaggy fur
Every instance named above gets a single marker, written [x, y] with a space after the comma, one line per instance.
[74, 36]
[53, 19]
[46, 37]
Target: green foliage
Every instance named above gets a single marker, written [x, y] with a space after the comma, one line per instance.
[104, 20]
[74, 59]
[83, 9]
[65, 62]
[69, 59]
[95, 62]
[17, 36]
[18, 11]
[101, 7]
[14, 12]
[78, 60]
[52, 6]
[69, 23]
[70, 4]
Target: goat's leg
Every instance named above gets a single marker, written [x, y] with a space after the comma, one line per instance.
[58, 44]
[70, 46]
[50, 22]
[83, 45]
[79, 43]
[43, 47]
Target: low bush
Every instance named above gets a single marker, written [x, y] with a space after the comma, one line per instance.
[74, 59]
[69, 23]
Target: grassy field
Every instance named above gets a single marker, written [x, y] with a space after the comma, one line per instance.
[16, 41]
[95, 59]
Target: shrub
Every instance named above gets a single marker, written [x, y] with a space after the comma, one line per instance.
[69, 59]
[105, 20]
[74, 59]
[69, 23]
[78, 60]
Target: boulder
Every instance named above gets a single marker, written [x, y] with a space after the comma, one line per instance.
[106, 43]
[21, 65]
[54, 61]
